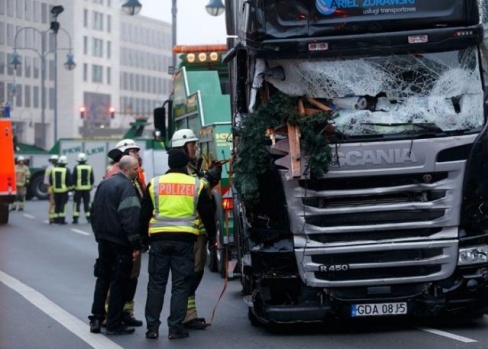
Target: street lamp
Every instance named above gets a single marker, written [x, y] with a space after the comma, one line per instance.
[215, 8]
[132, 7]
[15, 62]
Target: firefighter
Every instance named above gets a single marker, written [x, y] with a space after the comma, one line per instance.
[60, 181]
[186, 140]
[83, 180]
[53, 160]
[22, 176]
[129, 147]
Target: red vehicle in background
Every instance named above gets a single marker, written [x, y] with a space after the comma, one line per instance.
[7, 170]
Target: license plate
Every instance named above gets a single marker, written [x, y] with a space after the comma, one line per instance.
[379, 309]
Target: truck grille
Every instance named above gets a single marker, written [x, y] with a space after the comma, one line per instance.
[394, 224]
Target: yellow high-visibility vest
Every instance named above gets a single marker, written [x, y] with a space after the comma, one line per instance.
[59, 177]
[175, 198]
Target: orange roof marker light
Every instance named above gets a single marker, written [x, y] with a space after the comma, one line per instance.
[199, 48]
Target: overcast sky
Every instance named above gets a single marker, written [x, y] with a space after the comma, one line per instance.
[195, 25]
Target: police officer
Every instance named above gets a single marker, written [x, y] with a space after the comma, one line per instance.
[22, 176]
[60, 181]
[186, 141]
[170, 211]
[83, 180]
[53, 160]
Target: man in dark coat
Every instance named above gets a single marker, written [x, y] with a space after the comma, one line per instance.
[114, 220]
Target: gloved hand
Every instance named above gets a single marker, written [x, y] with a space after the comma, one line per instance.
[213, 175]
[144, 244]
[211, 243]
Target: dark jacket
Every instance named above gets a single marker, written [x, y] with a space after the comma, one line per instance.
[115, 211]
[205, 208]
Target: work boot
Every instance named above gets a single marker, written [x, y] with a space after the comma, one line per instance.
[95, 324]
[21, 209]
[75, 220]
[88, 219]
[178, 333]
[13, 208]
[119, 331]
[129, 319]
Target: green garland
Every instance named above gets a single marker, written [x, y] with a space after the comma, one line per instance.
[254, 159]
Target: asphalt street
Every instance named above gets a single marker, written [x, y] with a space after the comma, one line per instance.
[46, 289]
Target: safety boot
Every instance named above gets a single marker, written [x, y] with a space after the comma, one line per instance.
[129, 319]
[75, 220]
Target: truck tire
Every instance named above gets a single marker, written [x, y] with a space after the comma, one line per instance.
[37, 188]
[4, 211]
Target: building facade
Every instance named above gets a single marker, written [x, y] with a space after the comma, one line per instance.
[120, 75]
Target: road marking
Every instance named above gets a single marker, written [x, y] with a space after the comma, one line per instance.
[449, 335]
[29, 216]
[70, 322]
[81, 232]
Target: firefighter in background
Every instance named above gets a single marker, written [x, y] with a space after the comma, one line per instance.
[129, 147]
[22, 176]
[83, 180]
[186, 141]
[53, 160]
[60, 181]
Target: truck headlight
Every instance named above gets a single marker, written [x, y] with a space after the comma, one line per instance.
[473, 255]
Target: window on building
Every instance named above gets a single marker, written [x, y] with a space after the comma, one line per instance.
[27, 96]
[10, 8]
[15, 90]
[97, 21]
[10, 34]
[97, 48]
[51, 71]
[109, 24]
[3, 62]
[97, 73]
[52, 98]
[2, 33]
[109, 76]
[85, 45]
[2, 10]
[35, 96]
[85, 72]
[109, 49]
[37, 67]
[85, 18]
[44, 13]
[28, 67]
[28, 10]
[19, 8]
[36, 14]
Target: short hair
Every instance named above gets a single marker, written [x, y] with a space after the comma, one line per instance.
[127, 161]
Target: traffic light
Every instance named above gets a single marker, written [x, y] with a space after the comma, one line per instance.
[112, 112]
[82, 112]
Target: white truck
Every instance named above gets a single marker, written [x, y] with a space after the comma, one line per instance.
[153, 154]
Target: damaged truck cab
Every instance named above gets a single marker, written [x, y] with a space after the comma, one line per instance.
[362, 152]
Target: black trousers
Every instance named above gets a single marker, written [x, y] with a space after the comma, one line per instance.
[112, 270]
[78, 197]
[60, 201]
[166, 256]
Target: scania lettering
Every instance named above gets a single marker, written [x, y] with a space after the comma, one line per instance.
[360, 138]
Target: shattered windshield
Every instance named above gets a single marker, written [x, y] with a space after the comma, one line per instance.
[431, 92]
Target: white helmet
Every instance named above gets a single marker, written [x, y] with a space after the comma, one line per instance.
[126, 144]
[20, 158]
[53, 158]
[81, 157]
[63, 160]
[181, 137]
